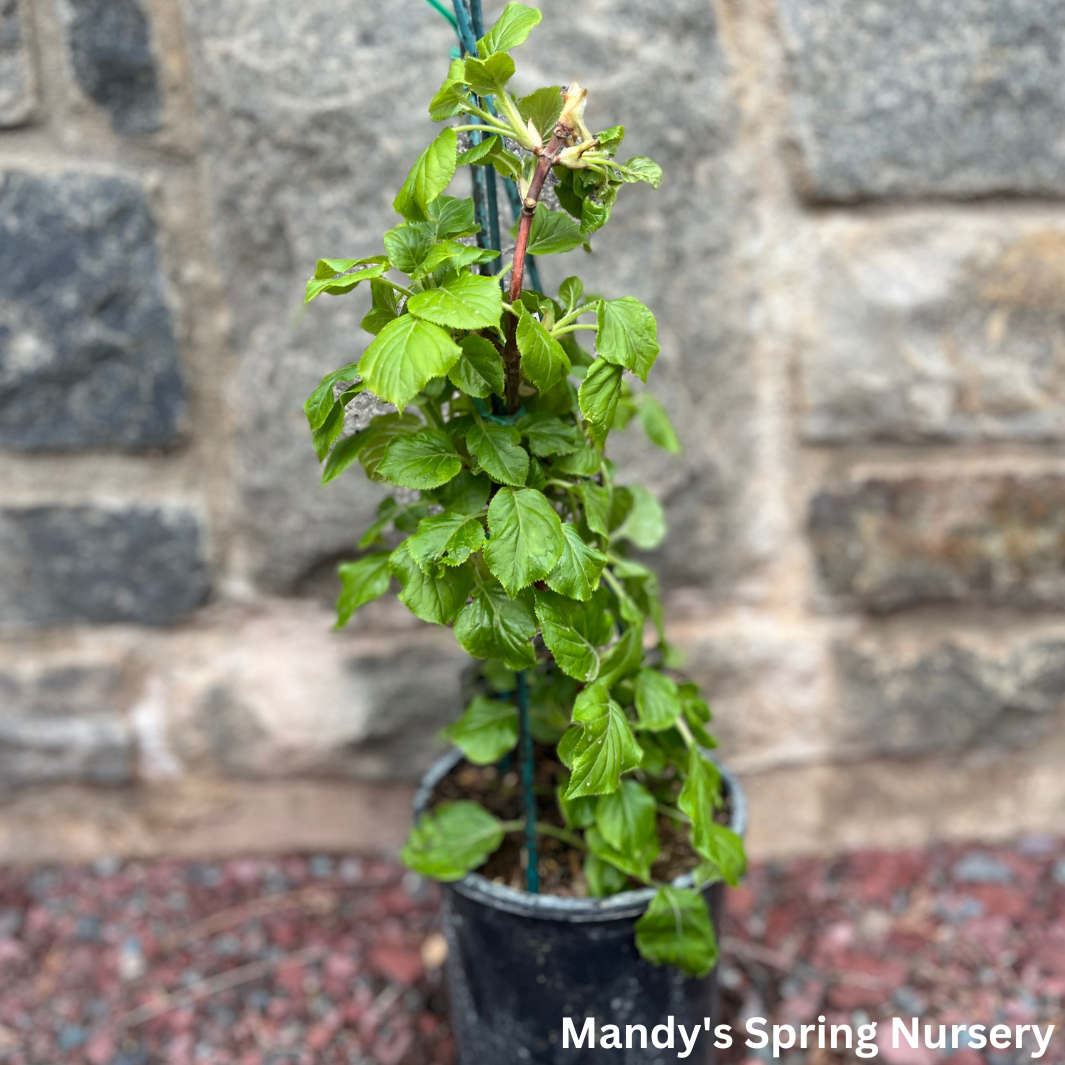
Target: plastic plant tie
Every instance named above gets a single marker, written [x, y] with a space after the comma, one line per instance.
[532, 872]
[443, 11]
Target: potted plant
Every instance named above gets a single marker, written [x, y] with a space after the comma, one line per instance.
[580, 785]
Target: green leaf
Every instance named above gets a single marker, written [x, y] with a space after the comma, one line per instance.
[384, 307]
[476, 153]
[605, 748]
[360, 582]
[452, 253]
[570, 292]
[408, 245]
[436, 597]
[699, 799]
[496, 448]
[325, 435]
[468, 301]
[657, 701]
[624, 658]
[579, 566]
[641, 168]
[610, 139]
[573, 632]
[343, 455]
[626, 818]
[375, 439]
[526, 538]
[724, 854]
[451, 97]
[421, 460]
[636, 863]
[445, 539]
[627, 335]
[645, 524]
[480, 372]
[451, 217]
[339, 281]
[578, 812]
[467, 494]
[599, 394]
[543, 107]
[319, 404]
[676, 930]
[603, 878]
[429, 176]
[511, 29]
[486, 731]
[548, 434]
[656, 424]
[404, 356]
[542, 359]
[489, 76]
[596, 502]
[584, 462]
[386, 511]
[494, 626]
[553, 232]
[492, 152]
[696, 713]
[451, 840]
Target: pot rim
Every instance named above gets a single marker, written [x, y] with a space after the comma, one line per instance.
[558, 907]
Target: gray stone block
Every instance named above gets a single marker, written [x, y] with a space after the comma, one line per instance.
[949, 697]
[63, 725]
[313, 113]
[17, 89]
[63, 565]
[111, 53]
[996, 539]
[936, 329]
[87, 350]
[928, 98]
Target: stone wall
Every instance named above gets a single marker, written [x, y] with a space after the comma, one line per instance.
[858, 264]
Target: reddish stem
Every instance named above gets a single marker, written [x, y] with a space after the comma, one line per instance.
[511, 355]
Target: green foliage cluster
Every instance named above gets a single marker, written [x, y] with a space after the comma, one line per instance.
[515, 531]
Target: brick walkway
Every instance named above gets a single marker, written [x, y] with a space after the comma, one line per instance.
[336, 960]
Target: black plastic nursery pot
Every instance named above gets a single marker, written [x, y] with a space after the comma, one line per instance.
[518, 964]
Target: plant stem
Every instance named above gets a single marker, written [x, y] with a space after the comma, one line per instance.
[561, 833]
[399, 288]
[556, 332]
[544, 829]
[682, 728]
[511, 356]
[526, 761]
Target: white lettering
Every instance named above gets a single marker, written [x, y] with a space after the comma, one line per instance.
[611, 1032]
[1043, 1043]
[846, 1030]
[803, 1029]
[753, 1029]
[867, 1047]
[1001, 1042]
[941, 1045]
[778, 1043]
[668, 1029]
[629, 1029]
[723, 1033]
[587, 1032]
[899, 1028]
[1021, 1029]
[689, 1044]
[977, 1039]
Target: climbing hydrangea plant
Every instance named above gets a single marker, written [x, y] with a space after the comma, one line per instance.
[514, 529]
